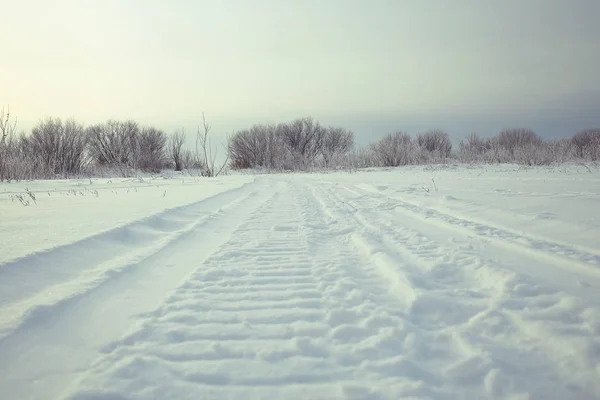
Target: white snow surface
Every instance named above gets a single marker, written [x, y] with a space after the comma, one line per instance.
[449, 282]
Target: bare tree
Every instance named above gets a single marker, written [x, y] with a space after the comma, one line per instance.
[336, 142]
[587, 143]
[73, 150]
[512, 139]
[248, 148]
[477, 144]
[394, 150]
[204, 149]
[241, 150]
[188, 160]
[103, 144]
[150, 150]
[127, 146]
[58, 148]
[176, 143]
[294, 145]
[303, 139]
[114, 143]
[436, 143]
[45, 143]
[128, 133]
[474, 149]
[8, 128]
[258, 147]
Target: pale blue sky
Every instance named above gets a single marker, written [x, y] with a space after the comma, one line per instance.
[373, 66]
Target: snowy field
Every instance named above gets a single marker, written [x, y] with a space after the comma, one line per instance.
[417, 283]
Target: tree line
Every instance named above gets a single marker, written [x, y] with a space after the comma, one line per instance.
[304, 143]
[57, 148]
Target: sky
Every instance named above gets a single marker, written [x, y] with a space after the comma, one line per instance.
[372, 66]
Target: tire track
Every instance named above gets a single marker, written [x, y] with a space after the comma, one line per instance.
[430, 353]
[376, 339]
[552, 252]
[491, 310]
[317, 297]
[73, 329]
[47, 277]
[284, 310]
[247, 320]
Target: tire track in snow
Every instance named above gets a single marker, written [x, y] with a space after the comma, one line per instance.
[231, 328]
[381, 345]
[425, 314]
[45, 278]
[284, 310]
[313, 299]
[552, 252]
[511, 325]
[75, 328]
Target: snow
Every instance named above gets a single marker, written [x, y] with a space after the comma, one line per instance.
[445, 282]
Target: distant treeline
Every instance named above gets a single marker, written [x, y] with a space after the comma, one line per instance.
[56, 148]
[304, 143]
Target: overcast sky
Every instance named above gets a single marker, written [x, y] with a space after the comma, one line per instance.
[374, 66]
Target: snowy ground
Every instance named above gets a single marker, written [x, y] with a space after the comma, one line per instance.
[424, 283]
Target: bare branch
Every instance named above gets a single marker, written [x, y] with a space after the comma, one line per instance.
[203, 144]
[7, 128]
[175, 149]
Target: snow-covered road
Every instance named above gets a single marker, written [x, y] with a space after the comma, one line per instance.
[324, 286]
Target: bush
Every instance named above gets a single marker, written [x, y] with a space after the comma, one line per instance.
[513, 148]
[176, 151]
[150, 150]
[395, 149]
[363, 157]
[124, 144]
[56, 147]
[474, 149]
[297, 145]
[302, 140]
[336, 143]
[114, 143]
[435, 145]
[259, 147]
[517, 138]
[587, 144]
